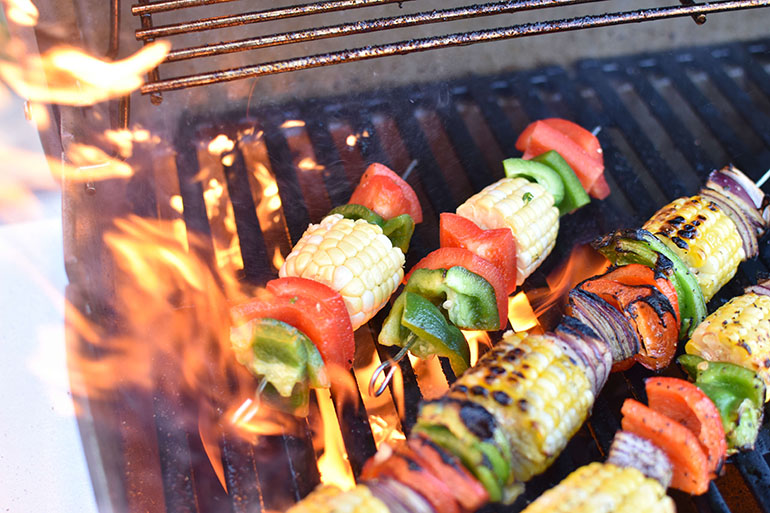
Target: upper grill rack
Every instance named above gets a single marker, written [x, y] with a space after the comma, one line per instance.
[155, 85]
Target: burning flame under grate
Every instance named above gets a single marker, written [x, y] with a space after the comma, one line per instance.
[250, 185]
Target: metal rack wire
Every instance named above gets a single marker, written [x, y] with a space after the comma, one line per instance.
[155, 85]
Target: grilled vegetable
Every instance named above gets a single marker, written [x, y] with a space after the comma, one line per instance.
[535, 388]
[738, 394]
[574, 194]
[629, 450]
[538, 173]
[497, 246]
[354, 258]
[642, 247]
[570, 141]
[398, 229]
[607, 488]
[688, 460]
[446, 258]
[687, 404]
[645, 307]
[527, 209]
[400, 498]
[330, 499]
[703, 237]
[739, 333]
[416, 323]
[386, 193]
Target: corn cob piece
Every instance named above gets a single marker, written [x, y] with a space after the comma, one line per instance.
[527, 209]
[330, 499]
[538, 393]
[705, 239]
[738, 332]
[354, 258]
[604, 488]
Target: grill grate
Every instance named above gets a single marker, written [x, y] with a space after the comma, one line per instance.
[156, 85]
[666, 120]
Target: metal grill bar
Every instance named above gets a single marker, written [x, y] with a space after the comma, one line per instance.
[257, 17]
[451, 40]
[363, 27]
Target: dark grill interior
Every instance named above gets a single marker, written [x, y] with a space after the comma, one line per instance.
[666, 120]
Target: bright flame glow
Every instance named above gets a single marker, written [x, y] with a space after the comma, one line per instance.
[333, 465]
[520, 313]
[351, 140]
[221, 144]
[308, 164]
[69, 76]
[384, 432]
[474, 338]
[430, 376]
[293, 123]
[21, 12]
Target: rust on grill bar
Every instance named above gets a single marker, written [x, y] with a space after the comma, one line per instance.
[256, 17]
[450, 40]
[362, 27]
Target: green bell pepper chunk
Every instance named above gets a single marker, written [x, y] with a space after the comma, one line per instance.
[737, 392]
[575, 196]
[399, 230]
[539, 173]
[356, 212]
[417, 323]
[468, 298]
[283, 357]
[642, 247]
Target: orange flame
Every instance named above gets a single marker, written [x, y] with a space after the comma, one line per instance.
[520, 313]
[384, 431]
[69, 76]
[21, 12]
[333, 465]
[475, 338]
[430, 376]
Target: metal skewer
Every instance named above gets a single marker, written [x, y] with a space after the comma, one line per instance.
[389, 368]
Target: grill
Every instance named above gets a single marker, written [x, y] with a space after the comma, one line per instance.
[666, 120]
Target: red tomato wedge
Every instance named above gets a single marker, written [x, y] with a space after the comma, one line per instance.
[689, 462]
[310, 310]
[600, 189]
[540, 137]
[406, 467]
[386, 193]
[444, 258]
[497, 245]
[690, 406]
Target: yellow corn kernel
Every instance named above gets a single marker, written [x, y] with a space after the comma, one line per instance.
[538, 393]
[524, 207]
[604, 488]
[704, 237]
[330, 499]
[738, 332]
[354, 258]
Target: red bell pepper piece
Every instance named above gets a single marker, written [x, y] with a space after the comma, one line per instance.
[540, 137]
[444, 258]
[496, 245]
[313, 308]
[690, 406]
[688, 461]
[387, 194]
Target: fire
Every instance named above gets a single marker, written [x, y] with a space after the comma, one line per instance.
[221, 144]
[69, 76]
[430, 376]
[520, 313]
[293, 123]
[351, 140]
[384, 431]
[474, 338]
[21, 12]
[582, 263]
[309, 164]
[333, 465]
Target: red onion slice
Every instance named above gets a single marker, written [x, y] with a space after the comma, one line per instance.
[610, 325]
[732, 179]
[629, 450]
[592, 352]
[398, 497]
[762, 288]
[745, 227]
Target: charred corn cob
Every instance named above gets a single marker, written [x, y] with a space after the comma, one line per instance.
[537, 391]
[524, 207]
[354, 258]
[330, 499]
[604, 487]
[739, 333]
[705, 239]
